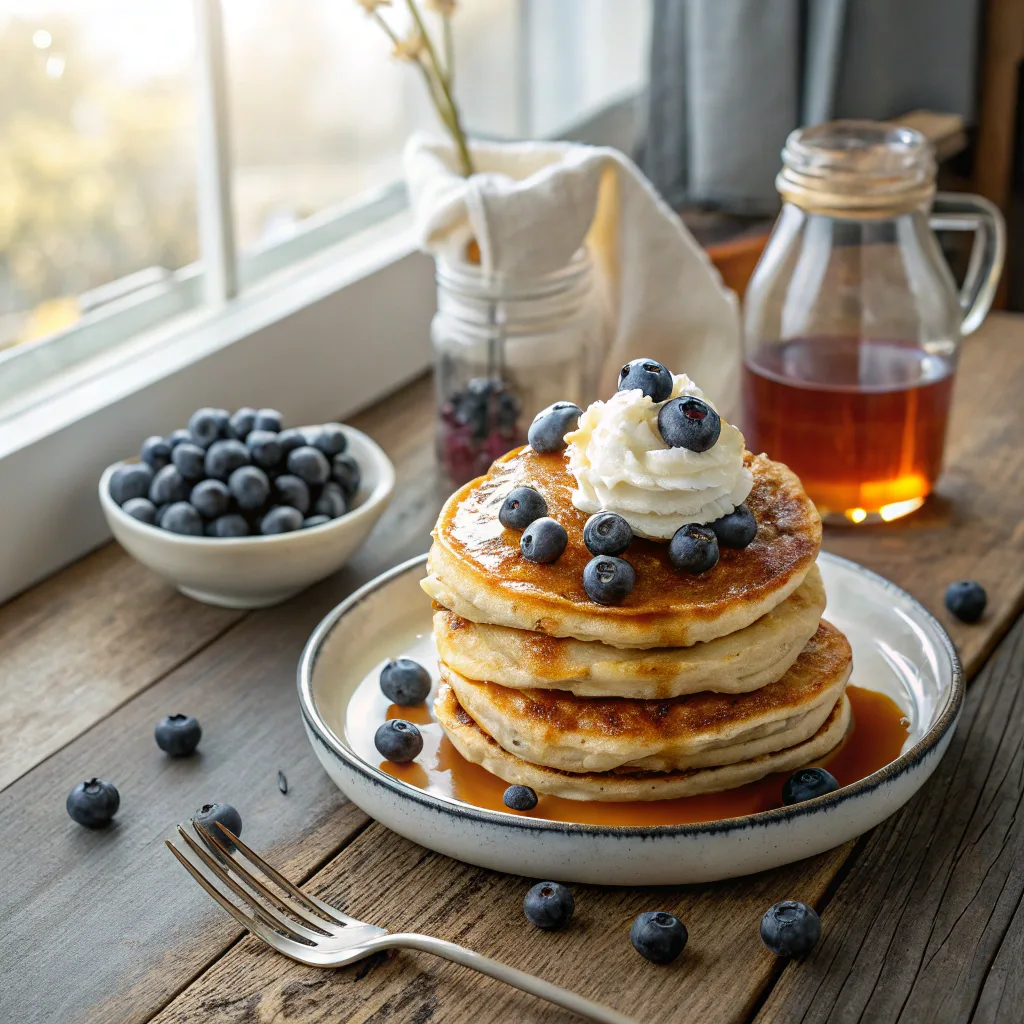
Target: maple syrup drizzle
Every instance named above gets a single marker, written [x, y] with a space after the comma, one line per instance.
[876, 737]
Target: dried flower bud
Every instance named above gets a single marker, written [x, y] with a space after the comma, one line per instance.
[371, 5]
[446, 8]
[409, 48]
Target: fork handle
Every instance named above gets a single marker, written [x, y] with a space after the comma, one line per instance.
[510, 975]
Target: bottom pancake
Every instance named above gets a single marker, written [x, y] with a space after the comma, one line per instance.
[476, 746]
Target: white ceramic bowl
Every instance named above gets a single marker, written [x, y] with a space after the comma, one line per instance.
[898, 648]
[254, 572]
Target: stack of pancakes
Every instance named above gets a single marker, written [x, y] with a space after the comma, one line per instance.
[692, 684]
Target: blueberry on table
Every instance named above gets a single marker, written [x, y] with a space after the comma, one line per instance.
[132, 480]
[397, 740]
[268, 419]
[317, 520]
[155, 452]
[607, 533]
[182, 517]
[168, 486]
[543, 540]
[290, 490]
[291, 439]
[608, 580]
[189, 459]
[281, 519]
[210, 498]
[519, 798]
[93, 803]
[331, 501]
[522, 506]
[687, 422]
[405, 682]
[231, 525]
[808, 783]
[345, 472]
[658, 936]
[212, 815]
[142, 509]
[249, 487]
[966, 600]
[178, 735]
[224, 457]
[790, 928]
[206, 425]
[648, 376]
[329, 438]
[735, 530]
[548, 905]
[309, 464]
[241, 423]
[264, 448]
[549, 427]
[693, 549]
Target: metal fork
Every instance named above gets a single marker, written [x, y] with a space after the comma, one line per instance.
[315, 933]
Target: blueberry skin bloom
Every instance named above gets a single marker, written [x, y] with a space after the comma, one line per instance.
[190, 460]
[224, 457]
[206, 425]
[693, 549]
[142, 509]
[737, 529]
[264, 449]
[210, 815]
[241, 423]
[178, 735]
[93, 803]
[648, 376]
[790, 928]
[658, 936]
[346, 474]
[183, 518]
[210, 498]
[689, 423]
[608, 580]
[291, 439]
[269, 419]
[155, 452]
[249, 487]
[607, 533]
[281, 519]
[543, 540]
[522, 506]
[132, 480]
[405, 682]
[330, 439]
[397, 740]
[808, 783]
[290, 490]
[231, 525]
[309, 464]
[548, 905]
[519, 798]
[549, 427]
[331, 502]
[966, 600]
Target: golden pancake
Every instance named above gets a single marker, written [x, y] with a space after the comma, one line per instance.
[738, 663]
[476, 746]
[600, 734]
[478, 572]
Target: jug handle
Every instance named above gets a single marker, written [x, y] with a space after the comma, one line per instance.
[956, 211]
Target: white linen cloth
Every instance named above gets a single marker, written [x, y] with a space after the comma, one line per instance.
[531, 205]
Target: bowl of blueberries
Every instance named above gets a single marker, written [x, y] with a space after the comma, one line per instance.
[238, 511]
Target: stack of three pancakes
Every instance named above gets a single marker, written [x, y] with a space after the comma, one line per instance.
[693, 684]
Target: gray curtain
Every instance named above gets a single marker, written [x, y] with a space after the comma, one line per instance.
[731, 78]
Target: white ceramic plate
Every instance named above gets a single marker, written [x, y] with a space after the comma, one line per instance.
[899, 648]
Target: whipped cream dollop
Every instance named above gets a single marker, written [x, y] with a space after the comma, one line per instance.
[621, 464]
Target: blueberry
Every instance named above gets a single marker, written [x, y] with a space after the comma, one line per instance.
[522, 506]
[607, 533]
[231, 525]
[345, 473]
[249, 487]
[177, 735]
[608, 580]
[224, 457]
[315, 521]
[210, 498]
[290, 490]
[330, 439]
[181, 517]
[693, 549]
[131, 480]
[264, 448]
[269, 419]
[206, 425]
[405, 682]
[241, 423]
[179, 436]
[689, 423]
[658, 936]
[160, 510]
[737, 529]
[189, 460]
[168, 486]
[549, 427]
[808, 783]
[647, 375]
[155, 452]
[281, 519]
[790, 928]
[310, 464]
[212, 815]
[291, 439]
[398, 740]
[543, 540]
[519, 798]
[142, 509]
[548, 905]
[966, 600]
[93, 803]
[331, 501]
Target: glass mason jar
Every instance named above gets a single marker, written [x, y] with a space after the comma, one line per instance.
[852, 319]
[505, 348]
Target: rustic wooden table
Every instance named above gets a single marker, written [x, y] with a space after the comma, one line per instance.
[922, 918]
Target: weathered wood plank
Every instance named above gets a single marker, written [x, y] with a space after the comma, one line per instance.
[928, 925]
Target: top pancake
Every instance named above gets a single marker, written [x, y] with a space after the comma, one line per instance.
[478, 572]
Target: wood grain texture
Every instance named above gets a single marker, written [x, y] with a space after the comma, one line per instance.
[928, 925]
